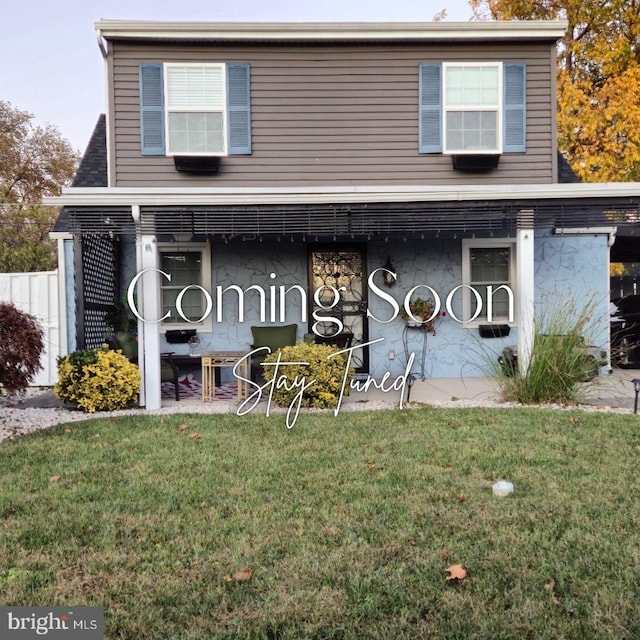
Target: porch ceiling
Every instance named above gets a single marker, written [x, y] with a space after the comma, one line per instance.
[361, 220]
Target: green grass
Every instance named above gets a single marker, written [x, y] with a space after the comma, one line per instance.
[346, 523]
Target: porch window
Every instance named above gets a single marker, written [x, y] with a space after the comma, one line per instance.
[487, 263]
[187, 265]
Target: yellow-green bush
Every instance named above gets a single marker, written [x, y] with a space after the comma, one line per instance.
[328, 374]
[97, 380]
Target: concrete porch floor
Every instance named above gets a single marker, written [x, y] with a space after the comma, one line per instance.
[614, 390]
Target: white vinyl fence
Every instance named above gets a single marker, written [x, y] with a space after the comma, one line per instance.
[37, 294]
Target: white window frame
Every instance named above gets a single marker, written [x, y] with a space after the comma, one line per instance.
[168, 110]
[498, 109]
[206, 277]
[486, 243]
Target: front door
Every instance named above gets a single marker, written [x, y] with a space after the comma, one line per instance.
[332, 267]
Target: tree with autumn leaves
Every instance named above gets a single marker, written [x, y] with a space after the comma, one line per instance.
[598, 80]
[35, 161]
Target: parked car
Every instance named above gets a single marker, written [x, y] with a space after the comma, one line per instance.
[625, 332]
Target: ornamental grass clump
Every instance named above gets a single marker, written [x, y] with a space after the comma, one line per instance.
[97, 380]
[324, 368]
[561, 361]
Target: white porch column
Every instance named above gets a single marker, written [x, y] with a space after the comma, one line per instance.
[149, 344]
[525, 293]
[148, 306]
[63, 342]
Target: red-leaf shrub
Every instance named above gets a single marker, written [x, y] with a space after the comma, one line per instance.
[21, 343]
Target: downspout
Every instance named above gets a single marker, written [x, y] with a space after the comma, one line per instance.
[612, 239]
[101, 43]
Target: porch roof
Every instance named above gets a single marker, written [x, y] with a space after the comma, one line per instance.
[362, 219]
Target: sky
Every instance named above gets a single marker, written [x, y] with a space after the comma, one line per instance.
[50, 64]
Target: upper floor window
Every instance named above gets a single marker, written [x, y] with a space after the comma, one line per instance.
[472, 114]
[472, 107]
[196, 113]
[198, 109]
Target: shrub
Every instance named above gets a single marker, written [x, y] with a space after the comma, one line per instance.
[561, 360]
[97, 380]
[21, 344]
[327, 373]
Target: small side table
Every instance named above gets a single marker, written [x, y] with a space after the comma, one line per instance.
[223, 359]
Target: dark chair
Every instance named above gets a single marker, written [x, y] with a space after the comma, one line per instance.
[273, 337]
[129, 347]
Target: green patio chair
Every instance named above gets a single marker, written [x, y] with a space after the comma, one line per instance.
[273, 337]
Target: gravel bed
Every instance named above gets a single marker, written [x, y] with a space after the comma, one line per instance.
[18, 417]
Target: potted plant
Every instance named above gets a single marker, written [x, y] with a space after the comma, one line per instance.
[421, 310]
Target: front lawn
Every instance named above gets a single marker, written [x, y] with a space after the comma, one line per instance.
[223, 527]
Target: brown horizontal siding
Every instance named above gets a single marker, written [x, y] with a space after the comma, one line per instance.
[332, 115]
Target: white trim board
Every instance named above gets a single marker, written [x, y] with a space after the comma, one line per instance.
[158, 196]
[545, 30]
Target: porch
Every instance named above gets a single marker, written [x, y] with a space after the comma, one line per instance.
[425, 234]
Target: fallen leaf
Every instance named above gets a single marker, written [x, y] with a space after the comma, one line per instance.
[412, 542]
[54, 478]
[550, 586]
[462, 497]
[228, 578]
[242, 575]
[67, 430]
[373, 467]
[456, 572]
[574, 420]
[445, 554]
[195, 436]
[182, 427]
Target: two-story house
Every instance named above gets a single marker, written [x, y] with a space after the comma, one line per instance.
[316, 174]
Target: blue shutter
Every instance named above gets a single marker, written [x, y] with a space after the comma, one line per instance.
[151, 110]
[515, 111]
[430, 108]
[239, 108]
